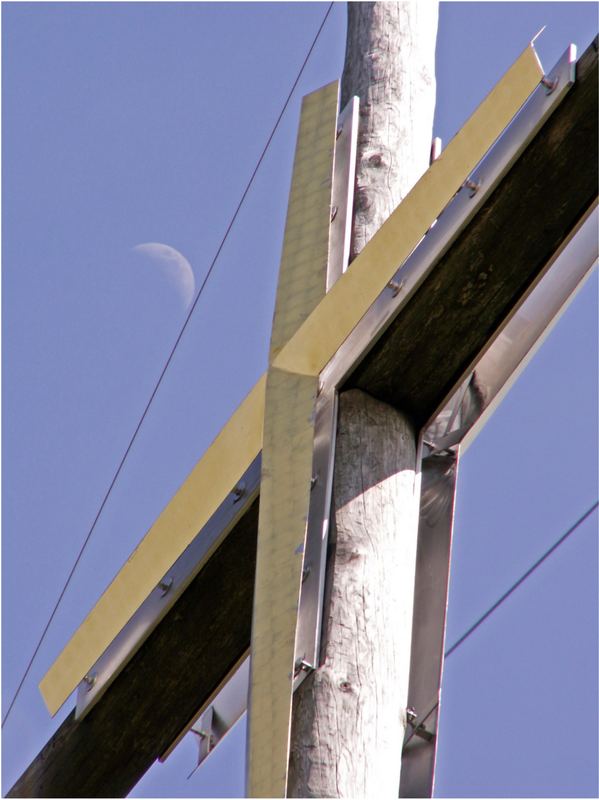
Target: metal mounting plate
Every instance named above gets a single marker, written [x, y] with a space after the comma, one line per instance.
[174, 583]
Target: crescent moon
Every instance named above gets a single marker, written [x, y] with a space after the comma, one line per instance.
[173, 265]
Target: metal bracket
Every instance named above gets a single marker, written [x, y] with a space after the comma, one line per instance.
[467, 403]
[168, 591]
[307, 641]
[418, 728]
[223, 712]
[459, 417]
[344, 172]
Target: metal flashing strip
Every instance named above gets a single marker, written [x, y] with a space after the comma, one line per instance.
[309, 622]
[460, 420]
[530, 323]
[324, 331]
[344, 176]
[488, 173]
[307, 641]
[200, 496]
[225, 710]
[288, 451]
[240, 441]
[169, 589]
[437, 502]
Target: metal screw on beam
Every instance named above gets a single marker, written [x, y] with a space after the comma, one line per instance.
[334, 211]
[418, 728]
[238, 492]
[549, 84]
[90, 680]
[339, 131]
[302, 664]
[473, 186]
[397, 286]
[165, 586]
[313, 481]
[306, 571]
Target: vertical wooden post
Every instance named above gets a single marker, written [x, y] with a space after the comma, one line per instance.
[349, 716]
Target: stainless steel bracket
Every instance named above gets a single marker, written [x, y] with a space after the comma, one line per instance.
[223, 712]
[168, 590]
[438, 446]
[308, 633]
[449, 427]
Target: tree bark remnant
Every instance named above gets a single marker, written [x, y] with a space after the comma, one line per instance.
[390, 66]
[349, 715]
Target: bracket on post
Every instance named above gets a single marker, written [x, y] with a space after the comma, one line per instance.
[309, 624]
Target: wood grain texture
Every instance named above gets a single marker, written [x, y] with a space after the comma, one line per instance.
[390, 66]
[349, 715]
[161, 688]
[124, 733]
[493, 262]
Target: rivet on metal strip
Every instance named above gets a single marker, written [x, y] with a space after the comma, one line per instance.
[90, 680]
[302, 665]
[396, 286]
[549, 84]
[165, 586]
[238, 492]
[418, 728]
[473, 186]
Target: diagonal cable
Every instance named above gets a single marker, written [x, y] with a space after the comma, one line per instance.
[521, 580]
[167, 363]
[503, 598]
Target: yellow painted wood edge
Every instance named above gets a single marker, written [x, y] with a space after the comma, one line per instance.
[284, 503]
[331, 322]
[208, 484]
[287, 453]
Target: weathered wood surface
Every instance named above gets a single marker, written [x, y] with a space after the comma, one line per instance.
[390, 66]
[161, 688]
[349, 715]
[110, 750]
[493, 261]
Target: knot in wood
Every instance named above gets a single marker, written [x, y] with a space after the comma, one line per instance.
[345, 686]
[363, 198]
[375, 160]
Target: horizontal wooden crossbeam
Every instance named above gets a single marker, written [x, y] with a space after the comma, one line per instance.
[301, 350]
[431, 343]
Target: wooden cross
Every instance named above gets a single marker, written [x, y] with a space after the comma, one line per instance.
[175, 622]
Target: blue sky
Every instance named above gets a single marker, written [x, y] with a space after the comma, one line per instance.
[131, 123]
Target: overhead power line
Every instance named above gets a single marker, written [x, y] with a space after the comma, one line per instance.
[520, 580]
[168, 360]
[504, 597]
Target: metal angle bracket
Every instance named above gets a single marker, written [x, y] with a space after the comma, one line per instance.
[310, 609]
[422, 728]
[220, 716]
[344, 175]
[167, 591]
[449, 425]
[457, 422]
[452, 220]
[225, 709]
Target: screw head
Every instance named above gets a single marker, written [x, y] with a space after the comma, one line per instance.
[90, 680]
